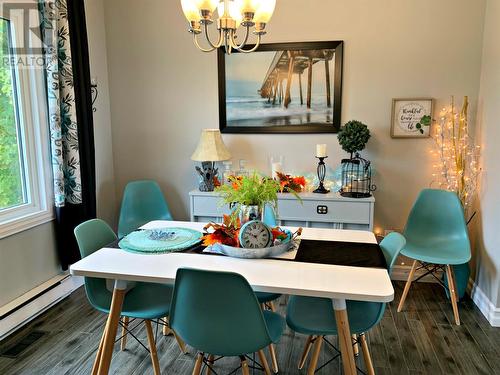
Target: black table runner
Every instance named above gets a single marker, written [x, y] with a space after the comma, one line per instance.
[339, 253]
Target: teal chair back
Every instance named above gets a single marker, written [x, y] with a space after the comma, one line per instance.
[91, 236]
[391, 246]
[142, 202]
[217, 313]
[437, 215]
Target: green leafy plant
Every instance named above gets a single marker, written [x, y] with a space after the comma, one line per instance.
[253, 190]
[353, 136]
[426, 120]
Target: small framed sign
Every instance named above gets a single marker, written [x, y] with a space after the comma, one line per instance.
[411, 118]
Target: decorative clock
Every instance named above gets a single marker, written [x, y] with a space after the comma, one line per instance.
[256, 235]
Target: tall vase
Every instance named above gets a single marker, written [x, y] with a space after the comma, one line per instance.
[248, 213]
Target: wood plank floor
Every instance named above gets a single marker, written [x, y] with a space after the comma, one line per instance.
[420, 340]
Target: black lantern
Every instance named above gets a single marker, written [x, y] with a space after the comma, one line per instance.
[356, 178]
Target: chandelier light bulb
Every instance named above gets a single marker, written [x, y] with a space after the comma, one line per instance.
[206, 5]
[190, 10]
[265, 11]
[249, 6]
[233, 11]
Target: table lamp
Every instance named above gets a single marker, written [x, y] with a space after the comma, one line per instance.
[211, 149]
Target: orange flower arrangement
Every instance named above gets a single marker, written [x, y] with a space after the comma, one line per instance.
[226, 233]
[291, 184]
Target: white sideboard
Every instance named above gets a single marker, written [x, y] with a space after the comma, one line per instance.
[315, 211]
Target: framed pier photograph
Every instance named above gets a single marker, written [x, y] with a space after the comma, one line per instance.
[281, 88]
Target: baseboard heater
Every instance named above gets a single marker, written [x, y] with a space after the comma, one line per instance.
[25, 308]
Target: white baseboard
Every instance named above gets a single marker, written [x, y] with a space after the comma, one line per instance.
[489, 310]
[400, 273]
[47, 295]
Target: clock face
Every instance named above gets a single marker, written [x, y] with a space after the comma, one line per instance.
[255, 235]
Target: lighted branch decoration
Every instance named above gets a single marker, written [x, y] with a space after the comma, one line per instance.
[458, 169]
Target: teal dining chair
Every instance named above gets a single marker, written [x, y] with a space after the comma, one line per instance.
[146, 301]
[201, 317]
[437, 239]
[142, 202]
[267, 299]
[314, 316]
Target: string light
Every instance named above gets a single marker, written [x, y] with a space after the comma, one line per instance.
[457, 153]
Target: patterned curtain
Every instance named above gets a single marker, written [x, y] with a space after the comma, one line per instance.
[61, 102]
[67, 67]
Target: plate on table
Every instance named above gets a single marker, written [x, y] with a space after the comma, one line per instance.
[160, 240]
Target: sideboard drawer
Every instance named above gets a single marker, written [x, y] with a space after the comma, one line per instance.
[206, 205]
[324, 211]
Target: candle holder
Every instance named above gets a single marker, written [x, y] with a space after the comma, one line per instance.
[321, 176]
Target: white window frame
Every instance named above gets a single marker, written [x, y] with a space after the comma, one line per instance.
[33, 124]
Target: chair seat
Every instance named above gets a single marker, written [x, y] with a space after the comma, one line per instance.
[275, 325]
[445, 251]
[315, 316]
[264, 297]
[144, 301]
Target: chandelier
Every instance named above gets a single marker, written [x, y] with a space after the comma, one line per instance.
[232, 14]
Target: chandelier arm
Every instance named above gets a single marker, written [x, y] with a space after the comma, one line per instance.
[254, 48]
[219, 42]
[247, 34]
[195, 39]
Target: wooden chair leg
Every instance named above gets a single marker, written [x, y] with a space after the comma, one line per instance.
[305, 353]
[123, 341]
[315, 356]
[274, 360]
[263, 359]
[244, 367]
[366, 355]
[355, 346]
[211, 362]
[152, 347]
[272, 307]
[166, 328]
[180, 342]
[453, 293]
[407, 286]
[97, 360]
[198, 364]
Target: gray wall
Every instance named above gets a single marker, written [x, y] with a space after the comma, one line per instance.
[488, 234]
[164, 91]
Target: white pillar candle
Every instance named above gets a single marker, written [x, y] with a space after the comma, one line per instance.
[321, 151]
[276, 167]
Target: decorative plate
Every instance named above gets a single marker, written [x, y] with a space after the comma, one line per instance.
[160, 240]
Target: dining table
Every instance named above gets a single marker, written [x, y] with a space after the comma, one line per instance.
[284, 276]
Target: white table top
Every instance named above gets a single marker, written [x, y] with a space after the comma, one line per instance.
[264, 275]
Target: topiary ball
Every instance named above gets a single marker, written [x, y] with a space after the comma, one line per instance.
[353, 136]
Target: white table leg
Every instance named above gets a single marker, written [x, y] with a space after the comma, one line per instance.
[340, 308]
[112, 326]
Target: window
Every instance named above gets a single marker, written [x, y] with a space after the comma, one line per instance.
[24, 164]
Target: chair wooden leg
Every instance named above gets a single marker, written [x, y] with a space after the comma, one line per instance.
[123, 341]
[407, 286]
[366, 355]
[211, 362]
[166, 328]
[274, 360]
[263, 359]
[272, 307]
[244, 367]
[180, 342]
[305, 353]
[97, 360]
[453, 293]
[152, 347]
[315, 356]
[355, 346]
[198, 364]
[111, 329]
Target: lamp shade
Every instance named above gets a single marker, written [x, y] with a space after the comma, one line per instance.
[211, 147]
